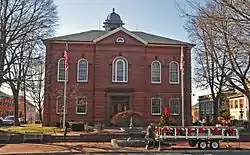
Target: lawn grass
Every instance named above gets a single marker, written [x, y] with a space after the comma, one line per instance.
[31, 128]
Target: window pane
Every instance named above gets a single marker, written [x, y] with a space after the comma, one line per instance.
[174, 76]
[81, 105]
[120, 70]
[175, 106]
[59, 105]
[156, 105]
[155, 72]
[61, 70]
[83, 70]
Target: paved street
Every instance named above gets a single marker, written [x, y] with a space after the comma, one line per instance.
[106, 148]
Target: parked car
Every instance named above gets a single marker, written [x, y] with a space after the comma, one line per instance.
[8, 120]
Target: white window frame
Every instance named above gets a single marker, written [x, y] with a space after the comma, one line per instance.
[114, 69]
[58, 70]
[120, 40]
[178, 106]
[159, 63]
[82, 113]
[156, 114]
[170, 73]
[57, 99]
[78, 67]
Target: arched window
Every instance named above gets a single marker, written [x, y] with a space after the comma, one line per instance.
[60, 70]
[173, 72]
[82, 70]
[120, 70]
[156, 72]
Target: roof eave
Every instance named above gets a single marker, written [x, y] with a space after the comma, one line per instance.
[172, 45]
[70, 41]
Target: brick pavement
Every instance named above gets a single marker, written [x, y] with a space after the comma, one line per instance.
[81, 147]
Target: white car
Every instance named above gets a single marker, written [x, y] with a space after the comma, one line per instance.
[9, 120]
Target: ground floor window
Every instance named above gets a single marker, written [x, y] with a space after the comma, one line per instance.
[156, 106]
[174, 106]
[81, 105]
[59, 105]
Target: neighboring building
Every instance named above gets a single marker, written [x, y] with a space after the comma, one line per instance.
[113, 70]
[7, 107]
[206, 107]
[195, 112]
[238, 103]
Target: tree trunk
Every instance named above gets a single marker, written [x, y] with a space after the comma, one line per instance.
[24, 104]
[40, 114]
[216, 110]
[15, 96]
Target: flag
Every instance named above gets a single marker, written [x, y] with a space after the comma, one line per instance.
[65, 54]
[166, 112]
[182, 63]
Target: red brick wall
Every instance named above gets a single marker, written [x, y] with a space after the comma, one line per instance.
[7, 106]
[102, 54]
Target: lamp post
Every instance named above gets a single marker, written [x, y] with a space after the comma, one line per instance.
[241, 113]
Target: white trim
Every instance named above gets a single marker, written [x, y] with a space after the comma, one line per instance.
[155, 61]
[58, 64]
[120, 40]
[81, 113]
[114, 69]
[117, 30]
[178, 72]
[156, 114]
[148, 44]
[170, 45]
[82, 59]
[72, 42]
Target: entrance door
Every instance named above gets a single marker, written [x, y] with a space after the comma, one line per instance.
[119, 104]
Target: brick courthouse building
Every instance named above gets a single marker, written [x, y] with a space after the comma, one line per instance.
[113, 70]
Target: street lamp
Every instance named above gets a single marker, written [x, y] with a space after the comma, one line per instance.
[241, 113]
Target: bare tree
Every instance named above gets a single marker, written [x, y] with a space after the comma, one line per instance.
[230, 21]
[210, 62]
[23, 24]
[35, 85]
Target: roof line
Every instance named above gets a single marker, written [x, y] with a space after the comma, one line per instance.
[117, 30]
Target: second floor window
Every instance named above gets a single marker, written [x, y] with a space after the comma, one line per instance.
[155, 72]
[120, 70]
[82, 70]
[60, 70]
[173, 73]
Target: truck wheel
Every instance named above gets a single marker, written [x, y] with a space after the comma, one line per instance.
[192, 142]
[215, 145]
[202, 145]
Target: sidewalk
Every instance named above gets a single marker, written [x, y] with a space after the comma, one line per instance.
[80, 147]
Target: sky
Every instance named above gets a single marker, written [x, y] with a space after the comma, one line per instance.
[160, 17]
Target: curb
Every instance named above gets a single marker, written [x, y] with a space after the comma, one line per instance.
[138, 152]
